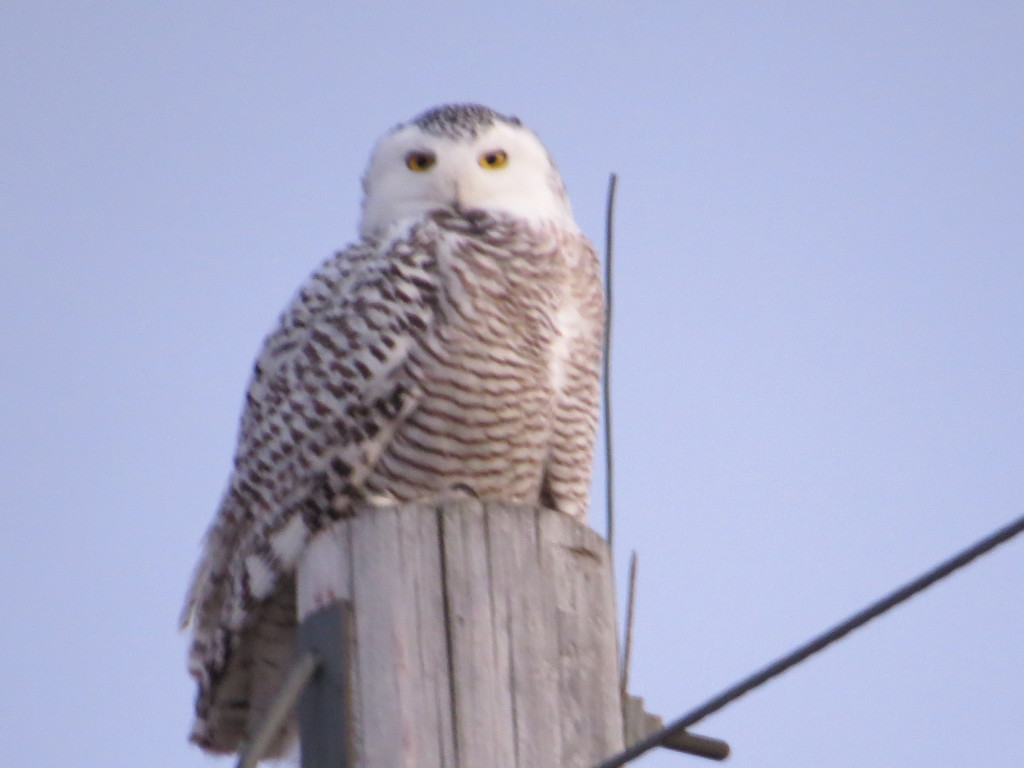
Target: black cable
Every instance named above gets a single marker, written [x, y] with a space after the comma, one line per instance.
[818, 643]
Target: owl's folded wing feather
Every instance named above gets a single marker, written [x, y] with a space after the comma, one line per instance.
[331, 384]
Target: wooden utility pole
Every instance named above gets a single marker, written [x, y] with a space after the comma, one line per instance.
[476, 635]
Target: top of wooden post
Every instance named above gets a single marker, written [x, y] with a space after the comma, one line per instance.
[482, 634]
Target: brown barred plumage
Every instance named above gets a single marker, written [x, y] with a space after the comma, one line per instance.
[456, 347]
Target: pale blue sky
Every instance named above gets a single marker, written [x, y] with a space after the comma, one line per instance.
[819, 334]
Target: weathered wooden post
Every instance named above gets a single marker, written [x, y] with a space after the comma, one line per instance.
[479, 635]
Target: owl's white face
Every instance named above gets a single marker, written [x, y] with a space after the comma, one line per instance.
[499, 167]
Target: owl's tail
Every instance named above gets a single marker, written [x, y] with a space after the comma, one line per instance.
[234, 698]
[238, 665]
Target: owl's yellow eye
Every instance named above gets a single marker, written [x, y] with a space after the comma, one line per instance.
[497, 158]
[420, 161]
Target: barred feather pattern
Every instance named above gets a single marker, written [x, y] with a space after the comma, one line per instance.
[462, 351]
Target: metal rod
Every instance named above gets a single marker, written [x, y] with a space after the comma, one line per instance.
[627, 644]
[701, 746]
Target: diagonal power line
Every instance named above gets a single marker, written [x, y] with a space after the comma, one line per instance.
[819, 643]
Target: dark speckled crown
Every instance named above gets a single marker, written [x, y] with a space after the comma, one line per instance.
[455, 121]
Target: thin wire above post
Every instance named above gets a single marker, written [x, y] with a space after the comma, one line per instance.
[609, 464]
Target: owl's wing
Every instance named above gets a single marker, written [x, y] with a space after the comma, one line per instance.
[330, 386]
[332, 380]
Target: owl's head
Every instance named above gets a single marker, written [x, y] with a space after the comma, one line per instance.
[464, 157]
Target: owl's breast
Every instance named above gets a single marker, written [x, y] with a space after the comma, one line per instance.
[483, 422]
[487, 380]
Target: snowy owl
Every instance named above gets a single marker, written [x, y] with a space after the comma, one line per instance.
[455, 347]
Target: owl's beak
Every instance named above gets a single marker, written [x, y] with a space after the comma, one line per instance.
[465, 210]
